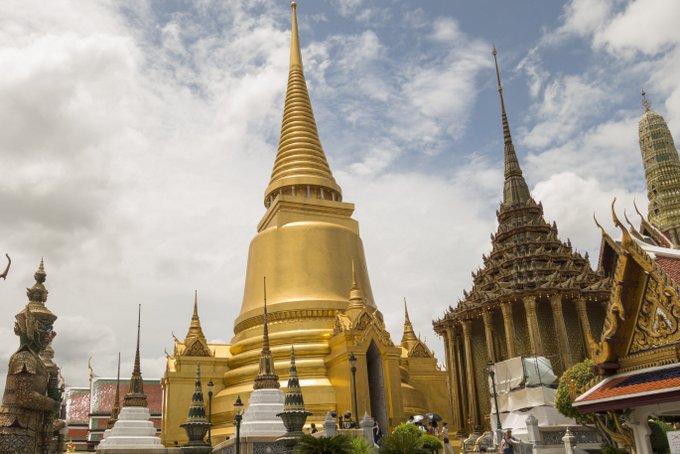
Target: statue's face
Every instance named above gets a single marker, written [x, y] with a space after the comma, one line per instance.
[43, 335]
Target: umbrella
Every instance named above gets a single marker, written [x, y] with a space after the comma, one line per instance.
[433, 417]
[418, 418]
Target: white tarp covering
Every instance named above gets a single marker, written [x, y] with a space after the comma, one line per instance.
[523, 398]
[521, 371]
[516, 420]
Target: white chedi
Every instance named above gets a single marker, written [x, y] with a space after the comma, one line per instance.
[132, 430]
[259, 418]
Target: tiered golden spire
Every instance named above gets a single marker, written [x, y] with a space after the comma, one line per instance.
[515, 189]
[266, 376]
[195, 329]
[135, 396]
[115, 410]
[300, 161]
[662, 171]
[409, 338]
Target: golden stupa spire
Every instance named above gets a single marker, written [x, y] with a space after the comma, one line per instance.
[135, 396]
[409, 338]
[301, 166]
[266, 376]
[115, 410]
[515, 189]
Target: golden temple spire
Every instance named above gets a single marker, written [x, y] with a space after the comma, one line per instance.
[515, 189]
[266, 376]
[662, 171]
[301, 166]
[115, 410]
[409, 338]
[135, 396]
[195, 329]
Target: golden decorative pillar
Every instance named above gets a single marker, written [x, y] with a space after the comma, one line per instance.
[582, 311]
[561, 328]
[532, 323]
[487, 315]
[454, 386]
[506, 309]
[473, 414]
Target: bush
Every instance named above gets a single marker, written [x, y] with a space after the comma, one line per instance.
[403, 442]
[431, 442]
[337, 444]
[572, 382]
[361, 446]
[658, 437]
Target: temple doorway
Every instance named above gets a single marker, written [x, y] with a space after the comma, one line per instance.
[376, 386]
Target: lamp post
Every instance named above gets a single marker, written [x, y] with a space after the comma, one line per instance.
[238, 405]
[492, 374]
[353, 368]
[210, 394]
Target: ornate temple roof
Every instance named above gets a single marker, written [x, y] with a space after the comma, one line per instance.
[300, 160]
[526, 257]
[413, 346]
[662, 171]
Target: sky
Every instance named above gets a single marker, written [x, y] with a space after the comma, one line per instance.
[138, 138]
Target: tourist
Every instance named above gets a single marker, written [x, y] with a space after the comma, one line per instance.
[508, 443]
[313, 427]
[445, 438]
[410, 420]
[377, 434]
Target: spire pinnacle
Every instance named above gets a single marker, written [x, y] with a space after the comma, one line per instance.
[356, 296]
[135, 396]
[515, 189]
[409, 338]
[300, 161]
[645, 101]
[195, 330]
[266, 376]
[115, 410]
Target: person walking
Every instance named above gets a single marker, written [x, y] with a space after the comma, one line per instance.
[448, 449]
[509, 442]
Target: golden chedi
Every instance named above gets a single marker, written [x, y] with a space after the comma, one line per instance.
[319, 299]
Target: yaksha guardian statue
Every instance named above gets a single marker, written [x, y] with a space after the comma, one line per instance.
[31, 400]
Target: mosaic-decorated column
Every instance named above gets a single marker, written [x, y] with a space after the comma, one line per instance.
[532, 324]
[582, 311]
[488, 333]
[561, 328]
[506, 308]
[473, 414]
[456, 407]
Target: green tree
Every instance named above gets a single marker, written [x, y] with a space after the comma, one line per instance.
[337, 444]
[572, 383]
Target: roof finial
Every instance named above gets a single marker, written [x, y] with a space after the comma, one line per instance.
[645, 101]
[356, 296]
[408, 338]
[406, 317]
[515, 190]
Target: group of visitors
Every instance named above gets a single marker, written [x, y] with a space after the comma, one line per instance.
[432, 427]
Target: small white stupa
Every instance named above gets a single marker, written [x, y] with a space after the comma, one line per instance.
[133, 431]
[266, 401]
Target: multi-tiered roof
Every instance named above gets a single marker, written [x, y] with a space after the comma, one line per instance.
[527, 257]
